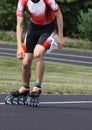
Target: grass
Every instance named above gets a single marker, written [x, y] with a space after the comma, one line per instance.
[58, 78]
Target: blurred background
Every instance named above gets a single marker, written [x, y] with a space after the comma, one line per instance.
[77, 17]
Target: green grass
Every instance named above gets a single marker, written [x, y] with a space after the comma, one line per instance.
[58, 78]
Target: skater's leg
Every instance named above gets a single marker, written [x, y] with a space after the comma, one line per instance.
[39, 72]
[20, 96]
[33, 99]
[26, 72]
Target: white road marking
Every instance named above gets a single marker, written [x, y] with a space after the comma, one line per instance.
[66, 60]
[63, 102]
[7, 49]
[2, 103]
[66, 102]
[8, 54]
[71, 55]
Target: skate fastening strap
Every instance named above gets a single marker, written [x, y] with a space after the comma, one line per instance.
[26, 86]
[38, 85]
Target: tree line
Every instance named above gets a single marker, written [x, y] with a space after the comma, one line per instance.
[77, 15]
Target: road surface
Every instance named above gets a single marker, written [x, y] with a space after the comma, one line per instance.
[62, 56]
[56, 112]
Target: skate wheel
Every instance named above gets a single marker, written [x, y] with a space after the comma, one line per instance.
[36, 103]
[28, 101]
[8, 99]
[33, 102]
[15, 101]
[21, 100]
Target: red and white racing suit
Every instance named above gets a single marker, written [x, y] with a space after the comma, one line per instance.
[41, 25]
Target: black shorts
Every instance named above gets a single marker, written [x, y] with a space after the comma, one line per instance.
[37, 34]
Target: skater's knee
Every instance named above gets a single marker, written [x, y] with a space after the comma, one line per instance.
[37, 56]
[26, 64]
[38, 52]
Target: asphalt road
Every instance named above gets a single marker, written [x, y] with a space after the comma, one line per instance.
[56, 112]
[62, 56]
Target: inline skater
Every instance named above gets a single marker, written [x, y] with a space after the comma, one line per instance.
[37, 41]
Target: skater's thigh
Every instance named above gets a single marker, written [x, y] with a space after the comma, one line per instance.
[28, 58]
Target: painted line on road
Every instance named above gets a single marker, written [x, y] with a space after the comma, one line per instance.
[7, 49]
[8, 54]
[67, 102]
[66, 60]
[71, 55]
[63, 102]
[2, 103]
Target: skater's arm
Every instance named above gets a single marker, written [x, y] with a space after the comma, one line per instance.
[19, 32]
[59, 20]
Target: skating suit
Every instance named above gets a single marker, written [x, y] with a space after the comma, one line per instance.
[41, 24]
[40, 13]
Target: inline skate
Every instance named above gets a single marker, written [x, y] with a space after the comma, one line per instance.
[33, 99]
[17, 98]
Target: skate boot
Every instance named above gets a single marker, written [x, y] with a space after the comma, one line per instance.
[17, 98]
[33, 99]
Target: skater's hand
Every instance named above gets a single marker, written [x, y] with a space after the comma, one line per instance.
[20, 53]
[60, 41]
